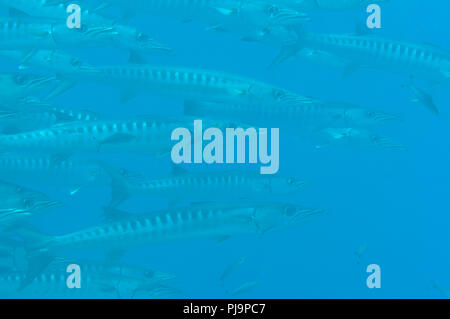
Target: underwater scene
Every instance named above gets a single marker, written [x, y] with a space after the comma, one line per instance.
[173, 149]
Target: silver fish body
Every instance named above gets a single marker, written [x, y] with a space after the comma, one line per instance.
[197, 221]
[295, 112]
[145, 135]
[185, 83]
[202, 187]
[402, 57]
[34, 169]
[17, 86]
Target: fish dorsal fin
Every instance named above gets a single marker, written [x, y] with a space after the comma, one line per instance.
[111, 214]
[178, 171]
[15, 13]
[136, 58]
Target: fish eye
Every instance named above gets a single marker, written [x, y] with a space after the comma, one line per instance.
[75, 62]
[278, 94]
[142, 37]
[371, 114]
[289, 211]
[272, 10]
[20, 79]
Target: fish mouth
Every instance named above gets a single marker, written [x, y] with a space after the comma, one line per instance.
[387, 143]
[386, 118]
[156, 47]
[41, 81]
[289, 17]
[304, 213]
[5, 213]
[8, 114]
[46, 205]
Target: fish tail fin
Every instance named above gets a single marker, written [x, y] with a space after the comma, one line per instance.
[290, 48]
[120, 179]
[287, 51]
[36, 253]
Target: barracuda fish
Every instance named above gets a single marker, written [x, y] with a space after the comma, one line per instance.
[121, 35]
[184, 83]
[354, 137]
[54, 60]
[17, 203]
[327, 5]
[148, 135]
[53, 284]
[16, 86]
[29, 35]
[182, 185]
[216, 220]
[71, 173]
[294, 112]
[33, 114]
[412, 59]
[226, 15]
[231, 268]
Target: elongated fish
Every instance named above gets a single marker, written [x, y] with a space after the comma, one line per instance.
[122, 36]
[327, 5]
[295, 113]
[32, 114]
[53, 284]
[196, 221]
[355, 137]
[29, 35]
[184, 83]
[228, 15]
[54, 60]
[17, 203]
[71, 173]
[423, 60]
[17, 86]
[147, 135]
[182, 185]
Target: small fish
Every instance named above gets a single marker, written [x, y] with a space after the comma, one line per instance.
[359, 138]
[360, 252]
[423, 97]
[231, 268]
[244, 288]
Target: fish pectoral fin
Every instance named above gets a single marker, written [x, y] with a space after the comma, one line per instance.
[15, 13]
[286, 52]
[136, 58]
[128, 95]
[178, 171]
[111, 214]
[62, 87]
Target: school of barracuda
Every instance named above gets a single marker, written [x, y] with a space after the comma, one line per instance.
[43, 143]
